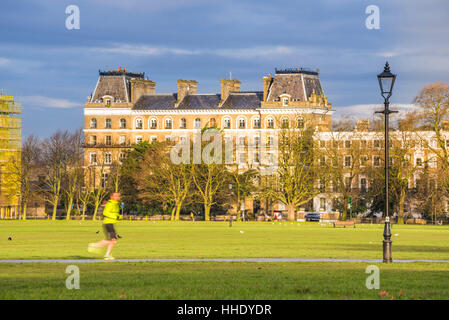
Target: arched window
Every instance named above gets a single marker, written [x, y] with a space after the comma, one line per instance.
[242, 123]
[93, 123]
[153, 123]
[122, 123]
[256, 123]
[270, 123]
[139, 123]
[182, 123]
[285, 123]
[168, 123]
[108, 124]
[212, 122]
[300, 123]
[227, 123]
[197, 123]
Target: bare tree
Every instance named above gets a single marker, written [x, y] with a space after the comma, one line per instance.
[243, 185]
[55, 160]
[293, 181]
[26, 170]
[433, 102]
[160, 180]
[345, 157]
[74, 172]
[210, 175]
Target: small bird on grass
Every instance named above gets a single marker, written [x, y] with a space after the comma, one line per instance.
[119, 236]
[9, 238]
[97, 232]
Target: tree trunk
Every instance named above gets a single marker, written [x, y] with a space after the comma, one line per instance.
[178, 211]
[84, 212]
[55, 208]
[344, 214]
[291, 212]
[24, 214]
[95, 211]
[206, 212]
[172, 217]
[401, 207]
[239, 206]
[69, 209]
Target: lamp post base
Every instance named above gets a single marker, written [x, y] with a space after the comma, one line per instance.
[387, 251]
[387, 243]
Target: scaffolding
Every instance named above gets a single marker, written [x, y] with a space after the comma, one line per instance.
[10, 151]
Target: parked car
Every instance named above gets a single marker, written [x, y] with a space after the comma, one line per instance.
[312, 216]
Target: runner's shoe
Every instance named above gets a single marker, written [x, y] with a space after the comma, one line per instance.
[109, 258]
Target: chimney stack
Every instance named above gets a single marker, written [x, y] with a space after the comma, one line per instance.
[362, 125]
[266, 86]
[186, 87]
[227, 86]
[140, 87]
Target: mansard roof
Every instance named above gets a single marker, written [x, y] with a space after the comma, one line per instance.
[299, 84]
[114, 83]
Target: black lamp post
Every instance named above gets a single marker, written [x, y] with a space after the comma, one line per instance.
[386, 83]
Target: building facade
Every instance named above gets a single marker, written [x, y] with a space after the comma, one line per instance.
[10, 146]
[125, 109]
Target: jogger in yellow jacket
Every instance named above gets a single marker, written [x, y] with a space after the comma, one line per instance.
[111, 214]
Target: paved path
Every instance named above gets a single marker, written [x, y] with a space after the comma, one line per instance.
[73, 261]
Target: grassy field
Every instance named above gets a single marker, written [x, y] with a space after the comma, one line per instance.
[236, 280]
[144, 239]
[225, 280]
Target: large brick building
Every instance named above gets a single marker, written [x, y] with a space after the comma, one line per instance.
[125, 109]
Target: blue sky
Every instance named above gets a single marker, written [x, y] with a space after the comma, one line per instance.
[52, 70]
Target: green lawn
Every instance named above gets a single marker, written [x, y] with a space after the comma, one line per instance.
[224, 280]
[236, 280]
[145, 239]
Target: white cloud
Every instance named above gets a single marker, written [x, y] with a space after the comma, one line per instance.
[150, 6]
[366, 111]
[4, 62]
[46, 102]
[144, 50]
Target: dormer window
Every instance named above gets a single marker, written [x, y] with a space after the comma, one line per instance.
[284, 102]
[107, 100]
